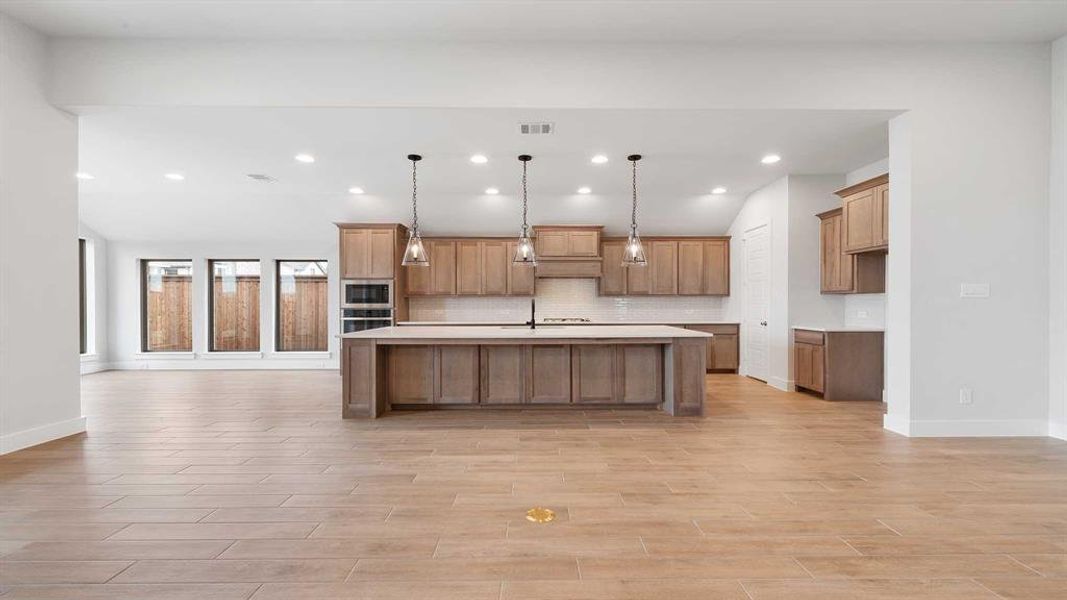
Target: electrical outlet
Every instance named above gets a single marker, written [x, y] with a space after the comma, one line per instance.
[862, 314]
[974, 290]
[966, 395]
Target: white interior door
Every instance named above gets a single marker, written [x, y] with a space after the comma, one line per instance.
[756, 302]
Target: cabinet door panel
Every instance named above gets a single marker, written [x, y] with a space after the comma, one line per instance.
[883, 202]
[640, 374]
[593, 371]
[548, 374]
[468, 268]
[802, 364]
[521, 278]
[613, 275]
[503, 371]
[818, 367]
[411, 377]
[859, 218]
[583, 243]
[355, 253]
[382, 247]
[664, 265]
[495, 266]
[724, 351]
[690, 268]
[552, 243]
[456, 376]
[716, 268]
[420, 279]
[443, 268]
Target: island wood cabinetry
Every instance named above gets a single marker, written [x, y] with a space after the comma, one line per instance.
[676, 267]
[840, 365]
[411, 367]
[470, 267]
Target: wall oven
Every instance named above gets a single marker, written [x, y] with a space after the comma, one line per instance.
[366, 304]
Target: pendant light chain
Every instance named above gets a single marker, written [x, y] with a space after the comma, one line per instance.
[414, 198]
[633, 213]
[524, 196]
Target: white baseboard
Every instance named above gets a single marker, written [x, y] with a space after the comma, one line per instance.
[896, 424]
[1057, 430]
[293, 364]
[93, 366]
[786, 385]
[962, 428]
[39, 435]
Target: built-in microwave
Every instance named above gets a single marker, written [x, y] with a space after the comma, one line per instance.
[367, 293]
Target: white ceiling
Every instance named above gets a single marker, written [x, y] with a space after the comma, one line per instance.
[710, 21]
[687, 153]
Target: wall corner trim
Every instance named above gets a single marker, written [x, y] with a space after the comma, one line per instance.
[39, 435]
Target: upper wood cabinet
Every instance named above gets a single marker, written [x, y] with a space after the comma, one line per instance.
[470, 267]
[842, 272]
[663, 264]
[865, 212]
[567, 241]
[369, 251]
[438, 279]
[676, 266]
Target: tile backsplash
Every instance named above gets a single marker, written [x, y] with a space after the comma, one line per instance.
[568, 298]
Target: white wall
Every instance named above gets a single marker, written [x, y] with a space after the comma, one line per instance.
[808, 196]
[1058, 245]
[954, 190]
[125, 309]
[39, 398]
[96, 357]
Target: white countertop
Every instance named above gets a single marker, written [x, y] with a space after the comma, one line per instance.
[843, 328]
[518, 332]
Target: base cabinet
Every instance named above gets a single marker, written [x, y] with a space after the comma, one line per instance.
[456, 375]
[548, 374]
[594, 374]
[840, 365]
[724, 348]
[503, 374]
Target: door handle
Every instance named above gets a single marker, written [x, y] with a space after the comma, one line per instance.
[763, 323]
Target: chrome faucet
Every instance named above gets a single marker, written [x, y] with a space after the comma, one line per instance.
[533, 314]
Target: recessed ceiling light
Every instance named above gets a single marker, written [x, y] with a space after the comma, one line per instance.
[175, 176]
[479, 159]
[492, 191]
[584, 190]
[355, 190]
[770, 159]
[599, 159]
[83, 175]
[719, 190]
[304, 158]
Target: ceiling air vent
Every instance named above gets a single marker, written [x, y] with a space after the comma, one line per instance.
[261, 177]
[536, 128]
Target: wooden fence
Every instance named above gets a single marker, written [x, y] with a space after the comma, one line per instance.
[302, 315]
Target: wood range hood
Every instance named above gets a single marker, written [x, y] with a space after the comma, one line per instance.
[568, 251]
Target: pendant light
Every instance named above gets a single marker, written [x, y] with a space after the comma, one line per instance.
[524, 250]
[634, 254]
[415, 253]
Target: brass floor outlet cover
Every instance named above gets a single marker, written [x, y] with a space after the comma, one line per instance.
[539, 514]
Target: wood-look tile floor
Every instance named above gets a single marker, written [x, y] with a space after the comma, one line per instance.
[236, 485]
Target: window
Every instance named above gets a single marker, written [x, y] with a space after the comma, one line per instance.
[301, 306]
[233, 305]
[167, 305]
[83, 317]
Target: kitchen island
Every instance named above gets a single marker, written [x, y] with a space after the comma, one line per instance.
[581, 367]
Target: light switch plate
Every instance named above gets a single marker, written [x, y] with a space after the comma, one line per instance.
[974, 290]
[966, 395]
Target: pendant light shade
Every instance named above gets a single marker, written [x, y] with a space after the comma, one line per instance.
[524, 249]
[415, 253]
[634, 254]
